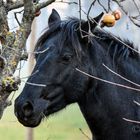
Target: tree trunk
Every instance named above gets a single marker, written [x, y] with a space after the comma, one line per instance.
[13, 44]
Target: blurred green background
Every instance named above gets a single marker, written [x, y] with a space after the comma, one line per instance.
[63, 125]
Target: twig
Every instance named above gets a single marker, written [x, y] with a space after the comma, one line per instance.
[92, 20]
[122, 77]
[30, 75]
[106, 81]
[131, 121]
[80, 18]
[109, 8]
[34, 84]
[88, 17]
[84, 134]
[138, 9]
[44, 4]
[39, 52]
[136, 103]
[130, 17]
[66, 2]
[102, 6]
[92, 4]
[133, 21]
[15, 13]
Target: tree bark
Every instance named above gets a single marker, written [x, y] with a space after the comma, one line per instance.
[13, 44]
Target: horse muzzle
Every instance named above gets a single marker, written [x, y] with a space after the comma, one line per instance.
[30, 113]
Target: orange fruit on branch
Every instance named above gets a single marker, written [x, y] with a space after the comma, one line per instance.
[108, 20]
[117, 14]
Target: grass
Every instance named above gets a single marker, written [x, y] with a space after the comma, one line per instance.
[61, 126]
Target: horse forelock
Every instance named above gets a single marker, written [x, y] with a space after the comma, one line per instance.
[67, 31]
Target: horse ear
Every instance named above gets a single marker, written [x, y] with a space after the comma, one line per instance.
[54, 17]
[91, 24]
[95, 21]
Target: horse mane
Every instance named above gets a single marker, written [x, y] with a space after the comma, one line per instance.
[67, 28]
[115, 48]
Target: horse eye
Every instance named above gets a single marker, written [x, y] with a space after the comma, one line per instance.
[66, 58]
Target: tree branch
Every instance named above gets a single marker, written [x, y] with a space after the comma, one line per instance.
[19, 4]
[134, 19]
[15, 5]
[13, 44]
[44, 4]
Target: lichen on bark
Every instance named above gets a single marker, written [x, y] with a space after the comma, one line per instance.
[13, 44]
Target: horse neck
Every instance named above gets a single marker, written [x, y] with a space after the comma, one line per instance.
[91, 100]
[101, 97]
[129, 69]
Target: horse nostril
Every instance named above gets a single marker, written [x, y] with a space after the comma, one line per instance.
[27, 109]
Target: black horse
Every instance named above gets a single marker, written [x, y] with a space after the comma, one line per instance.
[63, 53]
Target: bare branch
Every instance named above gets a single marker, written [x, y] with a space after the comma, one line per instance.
[44, 4]
[131, 121]
[19, 4]
[92, 4]
[67, 2]
[134, 19]
[34, 84]
[15, 13]
[84, 134]
[136, 103]
[109, 82]
[121, 76]
[15, 5]
[136, 6]
[105, 9]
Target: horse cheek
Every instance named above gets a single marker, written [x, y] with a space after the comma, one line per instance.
[75, 88]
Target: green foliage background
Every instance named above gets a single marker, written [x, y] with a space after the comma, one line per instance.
[63, 125]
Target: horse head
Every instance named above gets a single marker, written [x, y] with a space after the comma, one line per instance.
[54, 82]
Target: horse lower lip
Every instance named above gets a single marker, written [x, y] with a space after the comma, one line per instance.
[29, 122]
[31, 125]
